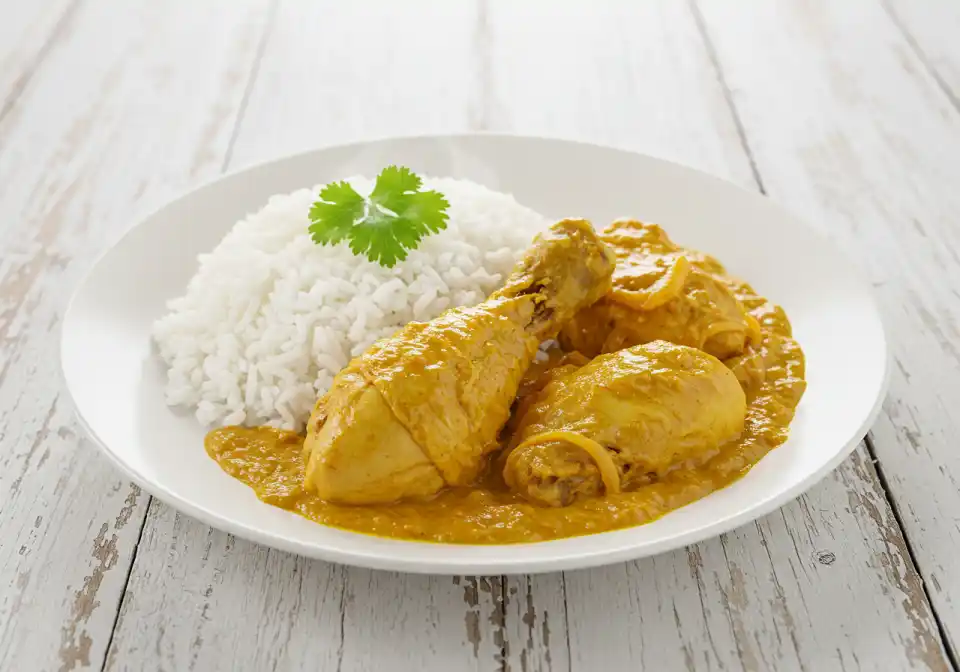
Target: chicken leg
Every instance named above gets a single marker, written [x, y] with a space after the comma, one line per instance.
[624, 420]
[662, 291]
[423, 408]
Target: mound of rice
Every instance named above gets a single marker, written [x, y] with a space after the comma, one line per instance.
[270, 317]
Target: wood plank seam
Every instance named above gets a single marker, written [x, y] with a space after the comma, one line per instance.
[948, 644]
[21, 83]
[504, 647]
[727, 94]
[126, 582]
[566, 620]
[254, 71]
[921, 55]
[481, 113]
[343, 619]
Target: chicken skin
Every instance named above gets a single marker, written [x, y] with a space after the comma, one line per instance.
[661, 291]
[422, 409]
[622, 421]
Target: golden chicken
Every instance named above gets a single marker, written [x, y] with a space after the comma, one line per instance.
[661, 291]
[622, 421]
[423, 409]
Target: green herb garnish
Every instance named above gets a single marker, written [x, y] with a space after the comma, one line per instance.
[384, 226]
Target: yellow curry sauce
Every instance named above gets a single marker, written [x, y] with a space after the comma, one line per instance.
[772, 373]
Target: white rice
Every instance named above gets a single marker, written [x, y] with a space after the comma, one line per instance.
[271, 317]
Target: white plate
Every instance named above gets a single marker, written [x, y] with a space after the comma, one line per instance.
[116, 380]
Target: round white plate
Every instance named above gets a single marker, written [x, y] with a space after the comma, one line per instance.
[115, 377]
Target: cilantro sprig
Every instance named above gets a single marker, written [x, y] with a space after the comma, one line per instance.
[385, 225]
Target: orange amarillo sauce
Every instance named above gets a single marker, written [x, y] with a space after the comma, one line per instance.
[270, 462]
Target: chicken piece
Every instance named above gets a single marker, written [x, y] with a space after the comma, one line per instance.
[422, 409]
[622, 421]
[353, 420]
[661, 291]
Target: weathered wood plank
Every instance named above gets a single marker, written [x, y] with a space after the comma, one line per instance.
[256, 608]
[851, 131]
[27, 33]
[930, 30]
[213, 581]
[773, 595]
[309, 93]
[712, 596]
[114, 121]
[719, 604]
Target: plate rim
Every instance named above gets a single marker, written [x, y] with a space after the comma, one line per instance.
[582, 560]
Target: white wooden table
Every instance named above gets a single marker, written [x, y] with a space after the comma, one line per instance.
[847, 112]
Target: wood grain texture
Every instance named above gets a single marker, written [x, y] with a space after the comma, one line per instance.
[27, 33]
[109, 124]
[868, 155]
[930, 30]
[257, 608]
[314, 88]
[766, 595]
